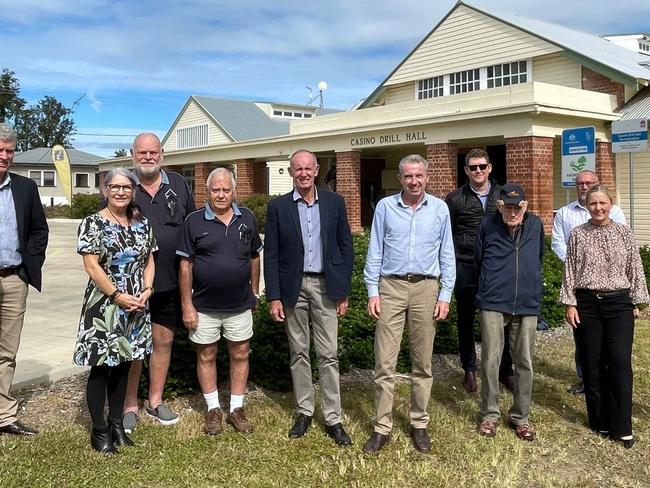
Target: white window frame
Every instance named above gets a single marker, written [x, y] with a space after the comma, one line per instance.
[41, 177]
[192, 136]
[433, 87]
[468, 78]
[88, 180]
[500, 78]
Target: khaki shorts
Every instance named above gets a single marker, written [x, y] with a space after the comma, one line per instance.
[236, 327]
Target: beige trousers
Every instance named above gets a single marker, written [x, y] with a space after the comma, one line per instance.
[413, 304]
[13, 296]
[314, 307]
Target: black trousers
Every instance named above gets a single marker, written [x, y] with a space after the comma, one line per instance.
[605, 336]
[465, 291]
[107, 382]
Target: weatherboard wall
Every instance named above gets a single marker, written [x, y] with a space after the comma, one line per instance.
[193, 116]
[641, 163]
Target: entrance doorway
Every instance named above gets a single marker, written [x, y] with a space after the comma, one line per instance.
[497, 156]
[371, 187]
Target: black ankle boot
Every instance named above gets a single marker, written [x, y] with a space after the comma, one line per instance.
[101, 441]
[117, 433]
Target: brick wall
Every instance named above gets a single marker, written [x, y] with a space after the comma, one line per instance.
[245, 177]
[606, 164]
[529, 162]
[200, 176]
[348, 185]
[443, 168]
[599, 83]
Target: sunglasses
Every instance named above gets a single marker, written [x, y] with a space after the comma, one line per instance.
[474, 167]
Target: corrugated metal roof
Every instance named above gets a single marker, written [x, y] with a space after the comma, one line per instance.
[583, 43]
[43, 155]
[243, 120]
[638, 107]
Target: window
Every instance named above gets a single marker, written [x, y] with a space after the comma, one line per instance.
[43, 178]
[277, 113]
[464, 81]
[307, 116]
[81, 180]
[188, 174]
[507, 74]
[291, 115]
[644, 46]
[430, 87]
[96, 180]
[188, 137]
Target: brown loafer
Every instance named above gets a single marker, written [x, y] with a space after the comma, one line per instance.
[488, 428]
[237, 418]
[420, 438]
[213, 422]
[469, 383]
[375, 443]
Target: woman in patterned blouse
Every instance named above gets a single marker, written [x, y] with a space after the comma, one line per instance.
[115, 326]
[602, 286]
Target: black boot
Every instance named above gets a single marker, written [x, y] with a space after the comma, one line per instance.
[117, 433]
[101, 441]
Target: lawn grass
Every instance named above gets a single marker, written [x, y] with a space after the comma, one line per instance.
[565, 454]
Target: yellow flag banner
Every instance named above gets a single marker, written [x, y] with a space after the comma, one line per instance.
[62, 163]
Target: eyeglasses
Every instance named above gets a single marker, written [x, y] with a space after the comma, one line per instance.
[586, 183]
[117, 188]
[474, 167]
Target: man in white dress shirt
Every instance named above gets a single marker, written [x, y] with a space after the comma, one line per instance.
[566, 219]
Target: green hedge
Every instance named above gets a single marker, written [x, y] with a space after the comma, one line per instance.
[82, 205]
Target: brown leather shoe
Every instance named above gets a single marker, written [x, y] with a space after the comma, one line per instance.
[213, 422]
[375, 443]
[420, 438]
[469, 383]
[237, 418]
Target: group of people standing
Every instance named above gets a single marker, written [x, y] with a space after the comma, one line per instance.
[155, 261]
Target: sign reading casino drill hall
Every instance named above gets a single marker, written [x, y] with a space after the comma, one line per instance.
[389, 138]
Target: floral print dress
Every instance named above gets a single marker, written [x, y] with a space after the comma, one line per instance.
[109, 335]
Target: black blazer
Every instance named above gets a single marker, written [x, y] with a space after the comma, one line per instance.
[284, 251]
[32, 229]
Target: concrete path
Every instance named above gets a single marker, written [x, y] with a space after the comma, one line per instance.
[52, 316]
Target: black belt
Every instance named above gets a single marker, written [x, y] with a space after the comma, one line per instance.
[412, 278]
[600, 294]
[309, 273]
[7, 272]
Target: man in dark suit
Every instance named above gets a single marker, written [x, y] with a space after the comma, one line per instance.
[308, 259]
[23, 239]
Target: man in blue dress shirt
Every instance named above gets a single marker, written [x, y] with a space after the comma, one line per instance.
[410, 273]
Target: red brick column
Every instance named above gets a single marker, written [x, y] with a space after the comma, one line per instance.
[260, 178]
[593, 81]
[529, 162]
[102, 178]
[245, 177]
[348, 185]
[606, 164]
[443, 168]
[200, 176]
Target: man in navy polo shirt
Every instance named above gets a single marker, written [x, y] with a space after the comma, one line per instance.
[219, 280]
[165, 199]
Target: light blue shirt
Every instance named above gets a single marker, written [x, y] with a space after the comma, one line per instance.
[310, 227]
[9, 246]
[403, 242]
[483, 196]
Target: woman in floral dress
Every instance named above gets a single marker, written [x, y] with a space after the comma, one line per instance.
[115, 327]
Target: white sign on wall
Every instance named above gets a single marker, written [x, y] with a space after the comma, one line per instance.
[629, 136]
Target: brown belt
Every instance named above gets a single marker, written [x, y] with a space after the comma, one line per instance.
[7, 272]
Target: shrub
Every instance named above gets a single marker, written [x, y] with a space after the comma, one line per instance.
[257, 204]
[84, 204]
[57, 211]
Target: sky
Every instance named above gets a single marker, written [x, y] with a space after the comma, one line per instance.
[130, 65]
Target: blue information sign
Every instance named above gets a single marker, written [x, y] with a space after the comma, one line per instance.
[578, 153]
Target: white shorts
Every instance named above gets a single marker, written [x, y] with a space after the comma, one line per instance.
[236, 327]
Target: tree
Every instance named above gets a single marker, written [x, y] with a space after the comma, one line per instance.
[10, 101]
[45, 124]
[120, 153]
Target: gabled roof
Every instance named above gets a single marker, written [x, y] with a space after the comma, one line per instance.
[589, 48]
[241, 120]
[43, 155]
[638, 107]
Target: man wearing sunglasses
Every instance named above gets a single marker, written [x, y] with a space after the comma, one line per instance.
[468, 205]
